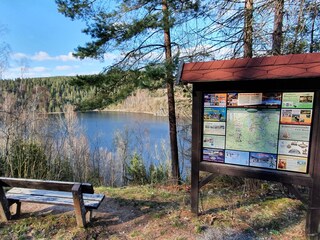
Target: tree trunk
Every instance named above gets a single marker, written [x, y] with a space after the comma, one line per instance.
[299, 28]
[170, 92]
[277, 29]
[314, 16]
[248, 29]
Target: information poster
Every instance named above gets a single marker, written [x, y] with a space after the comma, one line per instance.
[297, 100]
[263, 130]
[213, 155]
[264, 160]
[246, 99]
[232, 99]
[214, 141]
[290, 163]
[215, 100]
[295, 148]
[293, 132]
[237, 157]
[215, 114]
[216, 128]
[296, 116]
[254, 99]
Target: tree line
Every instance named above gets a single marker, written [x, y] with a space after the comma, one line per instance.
[52, 93]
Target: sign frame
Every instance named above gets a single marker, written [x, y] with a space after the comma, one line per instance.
[311, 179]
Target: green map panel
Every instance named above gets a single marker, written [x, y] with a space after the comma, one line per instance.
[252, 130]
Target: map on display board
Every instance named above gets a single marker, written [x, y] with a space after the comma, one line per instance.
[252, 130]
[266, 130]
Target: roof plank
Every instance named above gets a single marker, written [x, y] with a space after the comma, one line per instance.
[261, 68]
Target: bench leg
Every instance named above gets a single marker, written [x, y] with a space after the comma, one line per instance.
[89, 215]
[79, 207]
[17, 209]
[4, 207]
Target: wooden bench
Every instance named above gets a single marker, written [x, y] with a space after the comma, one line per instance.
[79, 195]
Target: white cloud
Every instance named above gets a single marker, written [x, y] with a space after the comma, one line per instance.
[65, 58]
[18, 56]
[44, 56]
[41, 56]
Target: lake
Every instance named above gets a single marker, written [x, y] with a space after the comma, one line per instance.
[149, 133]
[105, 124]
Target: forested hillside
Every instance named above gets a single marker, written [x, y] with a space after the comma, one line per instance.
[51, 93]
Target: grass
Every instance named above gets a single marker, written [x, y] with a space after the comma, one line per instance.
[163, 212]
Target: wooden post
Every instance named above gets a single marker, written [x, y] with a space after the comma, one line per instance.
[79, 207]
[196, 150]
[313, 214]
[4, 206]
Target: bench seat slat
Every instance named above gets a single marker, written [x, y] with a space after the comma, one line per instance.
[50, 193]
[91, 201]
[44, 184]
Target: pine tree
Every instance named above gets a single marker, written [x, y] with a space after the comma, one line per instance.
[142, 31]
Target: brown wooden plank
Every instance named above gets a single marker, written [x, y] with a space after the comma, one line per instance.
[313, 213]
[50, 193]
[79, 208]
[207, 179]
[196, 149]
[250, 172]
[44, 184]
[91, 201]
[293, 190]
[4, 207]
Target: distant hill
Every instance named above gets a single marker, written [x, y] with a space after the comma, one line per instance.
[154, 102]
[52, 93]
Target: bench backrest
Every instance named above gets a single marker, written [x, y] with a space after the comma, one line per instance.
[44, 184]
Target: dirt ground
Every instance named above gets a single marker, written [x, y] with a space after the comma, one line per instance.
[121, 221]
[162, 213]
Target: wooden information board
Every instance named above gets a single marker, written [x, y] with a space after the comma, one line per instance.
[254, 118]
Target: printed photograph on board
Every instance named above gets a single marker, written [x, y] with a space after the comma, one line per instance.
[271, 99]
[294, 132]
[237, 157]
[232, 99]
[217, 128]
[215, 114]
[297, 99]
[291, 163]
[296, 116]
[263, 160]
[215, 100]
[214, 141]
[213, 155]
[293, 148]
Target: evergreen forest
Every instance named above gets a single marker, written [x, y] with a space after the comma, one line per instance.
[52, 93]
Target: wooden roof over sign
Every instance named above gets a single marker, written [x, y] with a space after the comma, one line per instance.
[262, 68]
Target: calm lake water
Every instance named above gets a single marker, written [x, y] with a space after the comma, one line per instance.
[149, 130]
[103, 125]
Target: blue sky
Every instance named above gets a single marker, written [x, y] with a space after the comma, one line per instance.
[42, 41]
